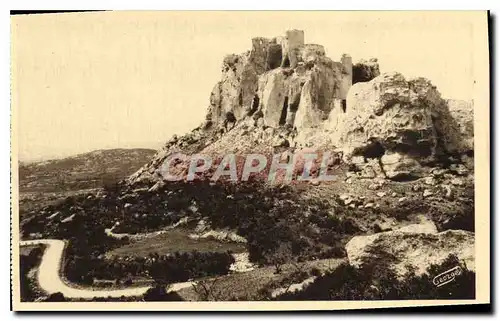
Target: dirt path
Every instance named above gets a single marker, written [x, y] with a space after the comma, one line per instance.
[49, 275]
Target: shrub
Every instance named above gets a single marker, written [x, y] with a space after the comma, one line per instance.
[377, 282]
[55, 297]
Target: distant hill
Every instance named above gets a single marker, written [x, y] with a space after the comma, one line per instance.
[83, 171]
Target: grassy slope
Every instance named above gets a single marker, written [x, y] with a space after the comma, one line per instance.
[176, 240]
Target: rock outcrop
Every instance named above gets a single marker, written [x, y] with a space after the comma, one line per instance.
[286, 85]
[403, 122]
[283, 80]
[398, 166]
[414, 247]
[463, 113]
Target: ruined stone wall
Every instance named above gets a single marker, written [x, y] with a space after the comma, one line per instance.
[294, 39]
[259, 53]
[283, 79]
[274, 55]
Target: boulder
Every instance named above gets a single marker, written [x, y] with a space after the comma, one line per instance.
[398, 166]
[382, 110]
[371, 169]
[430, 180]
[457, 181]
[424, 226]
[427, 193]
[390, 114]
[412, 247]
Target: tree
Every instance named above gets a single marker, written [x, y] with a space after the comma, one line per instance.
[280, 256]
[207, 290]
[159, 292]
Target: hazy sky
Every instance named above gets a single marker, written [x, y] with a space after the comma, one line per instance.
[132, 79]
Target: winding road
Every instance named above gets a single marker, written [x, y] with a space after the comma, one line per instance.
[49, 275]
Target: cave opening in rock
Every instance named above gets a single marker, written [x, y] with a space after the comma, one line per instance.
[284, 111]
[240, 99]
[414, 144]
[286, 62]
[230, 117]
[344, 105]
[274, 57]
[373, 150]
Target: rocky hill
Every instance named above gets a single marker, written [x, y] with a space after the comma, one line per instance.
[42, 183]
[83, 171]
[287, 94]
[402, 156]
[406, 152]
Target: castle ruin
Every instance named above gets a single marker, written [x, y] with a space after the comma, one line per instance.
[282, 80]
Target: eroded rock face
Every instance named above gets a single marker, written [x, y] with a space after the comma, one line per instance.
[271, 96]
[412, 247]
[234, 94]
[386, 110]
[303, 97]
[283, 80]
[320, 93]
[463, 113]
[286, 84]
[407, 120]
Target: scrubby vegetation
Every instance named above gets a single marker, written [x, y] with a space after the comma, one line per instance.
[281, 228]
[158, 292]
[267, 217]
[28, 288]
[375, 281]
[178, 267]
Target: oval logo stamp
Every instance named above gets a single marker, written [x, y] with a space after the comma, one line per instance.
[447, 276]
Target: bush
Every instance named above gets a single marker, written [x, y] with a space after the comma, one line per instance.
[316, 272]
[184, 266]
[380, 283]
[28, 287]
[55, 297]
[159, 293]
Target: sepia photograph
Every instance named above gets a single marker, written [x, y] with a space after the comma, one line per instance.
[249, 160]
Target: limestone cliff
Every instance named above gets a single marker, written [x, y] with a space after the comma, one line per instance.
[283, 80]
[284, 89]
[406, 116]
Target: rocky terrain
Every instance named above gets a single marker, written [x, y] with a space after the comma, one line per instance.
[402, 201]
